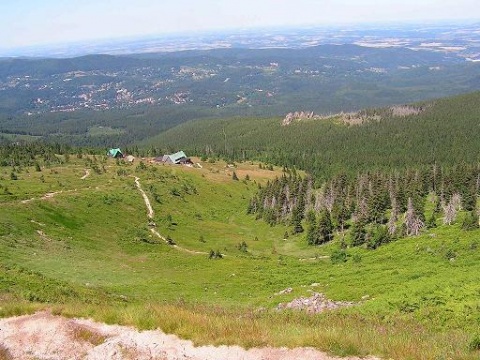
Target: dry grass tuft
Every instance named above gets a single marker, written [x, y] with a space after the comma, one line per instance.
[85, 334]
[5, 353]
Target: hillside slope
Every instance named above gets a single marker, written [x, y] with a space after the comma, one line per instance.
[444, 132]
[83, 246]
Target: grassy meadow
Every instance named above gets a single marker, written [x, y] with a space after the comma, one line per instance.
[83, 247]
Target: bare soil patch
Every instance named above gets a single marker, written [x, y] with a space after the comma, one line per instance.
[314, 304]
[45, 336]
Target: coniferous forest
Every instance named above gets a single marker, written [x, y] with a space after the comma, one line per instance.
[377, 207]
[442, 132]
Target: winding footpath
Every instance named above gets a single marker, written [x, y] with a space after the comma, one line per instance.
[55, 193]
[150, 215]
[48, 196]
[150, 212]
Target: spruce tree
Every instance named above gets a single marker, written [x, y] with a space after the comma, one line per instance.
[471, 221]
[325, 227]
[358, 233]
[312, 234]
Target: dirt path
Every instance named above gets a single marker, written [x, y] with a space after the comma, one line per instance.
[150, 212]
[87, 174]
[150, 215]
[45, 336]
[160, 236]
[323, 257]
[52, 194]
[46, 196]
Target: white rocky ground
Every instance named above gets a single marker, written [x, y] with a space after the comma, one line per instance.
[43, 336]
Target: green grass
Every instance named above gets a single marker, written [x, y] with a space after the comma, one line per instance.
[104, 131]
[19, 137]
[88, 251]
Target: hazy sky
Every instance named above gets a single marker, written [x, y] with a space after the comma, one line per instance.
[34, 22]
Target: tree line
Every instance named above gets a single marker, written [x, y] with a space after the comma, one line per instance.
[376, 207]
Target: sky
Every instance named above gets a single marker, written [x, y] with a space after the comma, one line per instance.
[38, 22]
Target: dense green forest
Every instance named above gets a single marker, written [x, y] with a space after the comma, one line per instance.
[440, 132]
[98, 129]
[379, 207]
[444, 132]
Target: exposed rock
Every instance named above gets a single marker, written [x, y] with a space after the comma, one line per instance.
[406, 110]
[297, 116]
[45, 336]
[353, 118]
[314, 304]
[285, 291]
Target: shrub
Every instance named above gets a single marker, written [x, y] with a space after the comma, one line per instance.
[215, 254]
[450, 254]
[378, 236]
[109, 199]
[338, 256]
[170, 241]
[474, 344]
[141, 166]
[242, 247]
[471, 221]
[83, 333]
[174, 191]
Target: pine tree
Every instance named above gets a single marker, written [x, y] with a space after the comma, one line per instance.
[431, 221]
[296, 222]
[378, 236]
[471, 221]
[358, 233]
[325, 227]
[312, 234]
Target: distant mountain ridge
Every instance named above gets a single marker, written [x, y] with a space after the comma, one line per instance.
[325, 78]
[391, 57]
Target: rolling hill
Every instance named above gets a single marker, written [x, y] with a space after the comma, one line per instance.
[145, 94]
[442, 132]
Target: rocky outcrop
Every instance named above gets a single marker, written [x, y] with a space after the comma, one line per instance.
[406, 110]
[297, 116]
[314, 304]
[356, 118]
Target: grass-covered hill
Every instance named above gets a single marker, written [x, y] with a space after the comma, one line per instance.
[75, 237]
[443, 131]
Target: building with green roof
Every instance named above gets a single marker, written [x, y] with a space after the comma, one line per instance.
[115, 153]
[177, 158]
